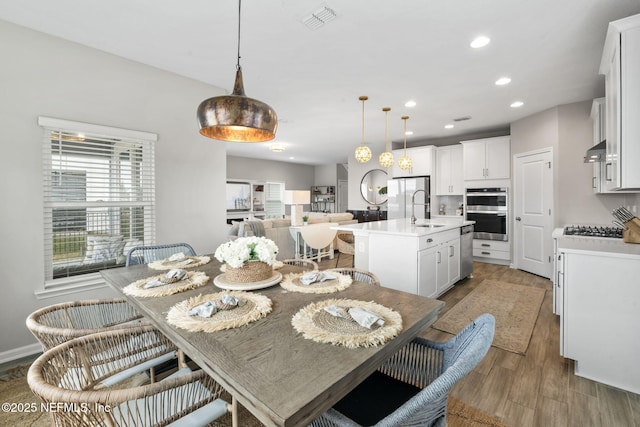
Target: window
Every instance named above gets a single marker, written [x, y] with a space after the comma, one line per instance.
[99, 197]
[274, 205]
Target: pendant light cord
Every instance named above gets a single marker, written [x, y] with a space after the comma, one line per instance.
[239, 9]
[405, 135]
[386, 131]
[363, 122]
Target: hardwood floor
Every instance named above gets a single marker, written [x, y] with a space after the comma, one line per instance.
[539, 387]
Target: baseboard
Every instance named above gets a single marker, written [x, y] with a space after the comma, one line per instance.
[20, 352]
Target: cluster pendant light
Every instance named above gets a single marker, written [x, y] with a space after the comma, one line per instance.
[363, 153]
[237, 117]
[386, 158]
[405, 162]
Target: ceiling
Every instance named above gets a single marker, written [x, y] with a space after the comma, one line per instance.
[391, 51]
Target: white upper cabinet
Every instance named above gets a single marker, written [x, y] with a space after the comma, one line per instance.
[422, 159]
[488, 158]
[621, 67]
[449, 171]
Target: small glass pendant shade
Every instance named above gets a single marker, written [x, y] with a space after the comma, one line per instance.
[363, 153]
[386, 159]
[405, 162]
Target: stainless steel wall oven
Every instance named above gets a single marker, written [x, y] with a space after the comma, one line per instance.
[489, 208]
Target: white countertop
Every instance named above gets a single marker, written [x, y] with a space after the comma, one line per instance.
[595, 245]
[404, 226]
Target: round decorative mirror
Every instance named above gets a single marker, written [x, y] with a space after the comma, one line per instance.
[374, 187]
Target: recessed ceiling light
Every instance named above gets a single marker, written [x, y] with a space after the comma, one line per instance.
[503, 81]
[449, 126]
[481, 41]
[276, 147]
[291, 158]
[410, 104]
[409, 132]
[517, 104]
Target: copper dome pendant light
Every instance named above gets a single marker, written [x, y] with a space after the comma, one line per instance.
[386, 159]
[236, 117]
[405, 162]
[363, 153]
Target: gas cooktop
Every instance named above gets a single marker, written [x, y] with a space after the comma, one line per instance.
[593, 231]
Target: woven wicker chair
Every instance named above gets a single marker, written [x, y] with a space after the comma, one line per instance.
[345, 245]
[412, 388]
[358, 275]
[146, 254]
[59, 323]
[79, 374]
[306, 264]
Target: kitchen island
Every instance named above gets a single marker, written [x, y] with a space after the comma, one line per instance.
[597, 297]
[422, 258]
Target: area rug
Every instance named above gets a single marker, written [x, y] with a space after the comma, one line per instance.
[515, 308]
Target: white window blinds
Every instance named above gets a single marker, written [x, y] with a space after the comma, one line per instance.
[274, 196]
[99, 196]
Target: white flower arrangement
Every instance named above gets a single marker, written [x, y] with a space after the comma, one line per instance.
[235, 253]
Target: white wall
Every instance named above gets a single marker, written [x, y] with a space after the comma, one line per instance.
[568, 129]
[43, 75]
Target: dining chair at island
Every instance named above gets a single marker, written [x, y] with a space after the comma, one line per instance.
[146, 254]
[345, 245]
[412, 387]
[319, 238]
[58, 323]
[88, 373]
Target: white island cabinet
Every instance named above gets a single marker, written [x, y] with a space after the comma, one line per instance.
[422, 259]
[597, 297]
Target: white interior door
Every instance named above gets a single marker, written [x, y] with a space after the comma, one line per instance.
[533, 219]
[343, 195]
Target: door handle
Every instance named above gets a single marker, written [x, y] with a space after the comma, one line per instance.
[518, 218]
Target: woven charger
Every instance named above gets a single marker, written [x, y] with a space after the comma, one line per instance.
[165, 264]
[314, 323]
[292, 283]
[194, 279]
[256, 307]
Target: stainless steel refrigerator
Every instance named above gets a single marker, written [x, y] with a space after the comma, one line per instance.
[399, 193]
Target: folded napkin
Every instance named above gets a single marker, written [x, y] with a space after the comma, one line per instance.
[359, 315]
[232, 301]
[206, 309]
[185, 261]
[154, 284]
[365, 318]
[177, 257]
[316, 276]
[176, 274]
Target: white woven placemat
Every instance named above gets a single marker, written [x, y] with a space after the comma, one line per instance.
[165, 264]
[314, 323]
[194, 279]
[291, 282]
[256, 307]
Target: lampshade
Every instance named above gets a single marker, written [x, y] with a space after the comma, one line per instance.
[237, 117]
[297, 197]
[386, 158]
[405, 161]
[363, 153]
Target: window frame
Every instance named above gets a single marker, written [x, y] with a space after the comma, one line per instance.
[91, 280]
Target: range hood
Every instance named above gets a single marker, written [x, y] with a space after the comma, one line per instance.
[597, 153]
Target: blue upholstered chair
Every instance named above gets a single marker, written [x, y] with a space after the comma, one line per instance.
[412, 388]
[146, 254]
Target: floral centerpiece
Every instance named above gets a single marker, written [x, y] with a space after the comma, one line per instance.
[247, 259]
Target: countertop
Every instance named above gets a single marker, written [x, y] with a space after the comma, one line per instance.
[595, 245]
[404, 226]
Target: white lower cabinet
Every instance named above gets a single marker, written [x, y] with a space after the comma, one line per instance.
[426, 265]
[598, 301]
[493, 249]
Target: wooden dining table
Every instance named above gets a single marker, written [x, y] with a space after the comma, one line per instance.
[281, 377]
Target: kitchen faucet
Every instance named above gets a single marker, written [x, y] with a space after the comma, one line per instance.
[413, 204]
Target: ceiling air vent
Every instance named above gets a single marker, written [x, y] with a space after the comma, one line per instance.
[318, 18]
[462, 119]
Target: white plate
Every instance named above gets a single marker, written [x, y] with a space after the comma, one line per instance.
[222, 283]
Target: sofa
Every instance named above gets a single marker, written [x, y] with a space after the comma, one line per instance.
[278, 230]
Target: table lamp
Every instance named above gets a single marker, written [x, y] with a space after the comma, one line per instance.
[296, 199]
